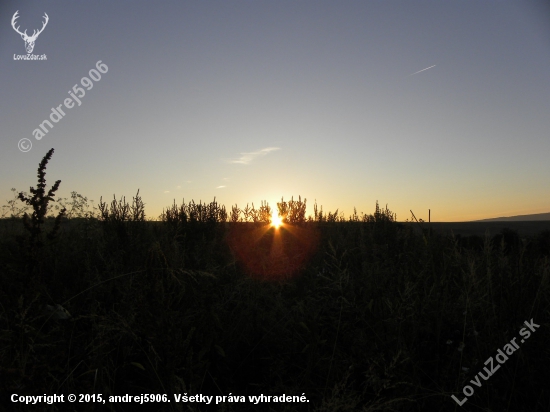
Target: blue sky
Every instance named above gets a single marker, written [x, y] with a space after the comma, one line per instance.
[254, 100]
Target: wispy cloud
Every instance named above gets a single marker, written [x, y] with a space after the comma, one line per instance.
[246, 158]
[220, 187]
[420, 71]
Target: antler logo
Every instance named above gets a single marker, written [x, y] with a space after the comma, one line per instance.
[29, 40]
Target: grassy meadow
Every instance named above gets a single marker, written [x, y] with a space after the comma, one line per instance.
[357, 313]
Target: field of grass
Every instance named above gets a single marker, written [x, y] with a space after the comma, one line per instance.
[363, 314]
[523, 229]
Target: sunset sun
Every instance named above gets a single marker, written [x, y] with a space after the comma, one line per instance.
[276, 220]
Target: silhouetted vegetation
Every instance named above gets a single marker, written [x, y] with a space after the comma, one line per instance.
[359, 314]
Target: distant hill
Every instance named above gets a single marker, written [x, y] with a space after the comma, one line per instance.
[521, 218]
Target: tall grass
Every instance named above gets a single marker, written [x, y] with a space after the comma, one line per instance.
[366, 315]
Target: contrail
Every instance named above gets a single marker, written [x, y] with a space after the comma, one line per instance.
[421, 70]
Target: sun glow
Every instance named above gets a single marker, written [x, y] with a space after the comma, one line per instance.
[276, 220]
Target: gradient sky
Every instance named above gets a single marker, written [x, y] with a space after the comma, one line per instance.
[253, 100]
